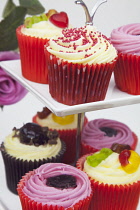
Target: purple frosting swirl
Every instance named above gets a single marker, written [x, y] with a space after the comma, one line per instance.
[36, 189]
[126, 39]
[10, 90]
[95, 136]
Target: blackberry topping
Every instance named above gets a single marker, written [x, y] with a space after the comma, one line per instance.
[62, 181]
[109, 131]
[118, 148]
[34, 134]
[44, 113]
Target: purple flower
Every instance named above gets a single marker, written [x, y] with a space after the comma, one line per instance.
[10, 90]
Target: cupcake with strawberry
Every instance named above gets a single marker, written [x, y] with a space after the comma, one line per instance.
[115, 177]
[32, 36]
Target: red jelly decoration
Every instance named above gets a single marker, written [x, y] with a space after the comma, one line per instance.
[60, 19]
[124, 156]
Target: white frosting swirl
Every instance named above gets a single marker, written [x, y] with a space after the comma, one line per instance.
[82, 45]
[43, 29]
[110, 171]
[15, 148]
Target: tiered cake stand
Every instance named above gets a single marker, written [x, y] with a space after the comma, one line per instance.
[114, 98]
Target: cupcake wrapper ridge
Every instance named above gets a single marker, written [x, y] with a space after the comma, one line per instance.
[33, 64]
[16, 168]
[127, 73]
[28, 204]
[73, 84]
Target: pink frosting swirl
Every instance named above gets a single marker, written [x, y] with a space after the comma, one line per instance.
[36, 189]
[126, 39]
[93, 135]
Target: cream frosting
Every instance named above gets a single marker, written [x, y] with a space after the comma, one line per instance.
[126, 39]
[43, 29]
[110, 171]
[50, 123]
[93, 136]
[15, 148]
[36, 189]
[82, 45]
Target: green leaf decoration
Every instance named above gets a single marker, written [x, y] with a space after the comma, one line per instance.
[34, 7]
[8, 40]
[8, 8]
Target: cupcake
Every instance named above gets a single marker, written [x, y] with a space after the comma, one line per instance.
[80, 64]
[126, 40]
[27, 148]
[55, 186]
[66, 127]
[115, 178]
[32, 36]
[100, 133]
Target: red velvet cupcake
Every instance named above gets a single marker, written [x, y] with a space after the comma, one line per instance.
[80, 65]
[66, 127]
[115, 178]
[32, 36]
[127, 70]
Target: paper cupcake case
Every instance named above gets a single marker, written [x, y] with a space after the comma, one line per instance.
[15, 168]
[73, 84]
[69, 137]
[28, 204]
[112, 197]
[33, 64]
[86, 149]
[127, 73]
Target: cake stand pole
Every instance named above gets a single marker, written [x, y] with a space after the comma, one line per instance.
[80, 123]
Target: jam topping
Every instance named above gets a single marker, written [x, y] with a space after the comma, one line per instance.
[63, 120]
[118, 148]
[130, 161]
[109, 131]
[34, 134]
[44, 113]
[63, 181]
[95, 159]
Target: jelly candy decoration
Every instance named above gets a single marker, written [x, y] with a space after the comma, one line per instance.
[44, 113]
[123, 157]
[95, 159]
[29, 21]
[60, 19]
[118, 148]
[133, 162]
[63, 120]
[62, 181]
[109, 131]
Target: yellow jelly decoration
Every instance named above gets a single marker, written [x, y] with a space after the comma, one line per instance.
[63, 120]
[134, 162]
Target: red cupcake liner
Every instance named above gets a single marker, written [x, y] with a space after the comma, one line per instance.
[28, 204]
[86, 149]
[33, 63]
[73, 84]
[112, 197]
[69, 137]
[127, 73]
[15, 168]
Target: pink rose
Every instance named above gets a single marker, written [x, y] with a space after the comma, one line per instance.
[10, 90]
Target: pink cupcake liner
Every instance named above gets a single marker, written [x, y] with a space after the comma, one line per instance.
[28, 204]
[86, 149]
[33, 63]
[15, 168]
[69, 137]
[112, 197]
[127, 73]
[73, 84]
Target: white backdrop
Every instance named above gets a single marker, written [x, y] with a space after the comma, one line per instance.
[110, 15]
